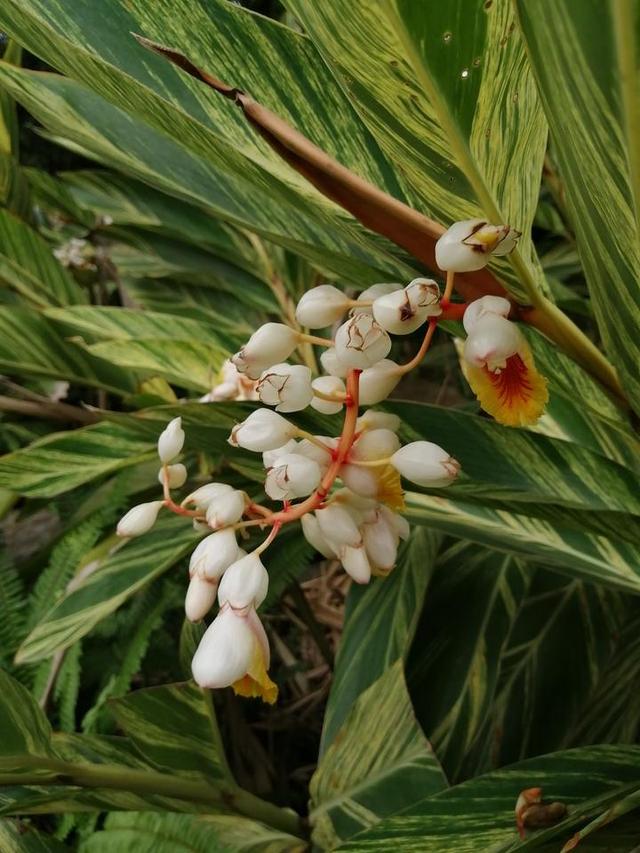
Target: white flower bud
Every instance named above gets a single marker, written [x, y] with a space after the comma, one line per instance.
[380, 540]
[371, 294]
[270, 457]
[485, 305]
[140, 519]
[293, 476]
[405, 310]
[468, 245]
[397, 522]
[337, 525]
[375, 444]
[286, 386]
[214, 554]
[426, 464]
[244, 584]
[321, 307]
[327, 385]
[377, 382]
[270, 344]
[423, 295]
[176, 474]
[171, 440]
[362, 481]
[331, 364]
[312, 451]
[201, 594]
[356, 563]
[225, 509]
[377, 420]
[361, 342]
[262, 430]
[491, 342]
[203, 496]
[226, 651]
[313, 535]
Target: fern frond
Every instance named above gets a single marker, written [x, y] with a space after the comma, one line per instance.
[67, 687]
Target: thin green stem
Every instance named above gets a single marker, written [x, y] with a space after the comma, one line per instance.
[148, 782]
[624, 27]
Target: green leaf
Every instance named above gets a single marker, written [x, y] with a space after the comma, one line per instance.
[579, 554]
[25, 729]
[64, 460]
[595, 124]
[19, 838]
[378, 763]
[479, 814]
[500, 463]
[380, 621]
[30, 344]
[174, 727]
[174, 833]
[428, 93]
[453, 674]
[28, 266]
[122, 574]
[213, 175]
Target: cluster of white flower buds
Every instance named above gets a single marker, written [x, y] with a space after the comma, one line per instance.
[347, 487]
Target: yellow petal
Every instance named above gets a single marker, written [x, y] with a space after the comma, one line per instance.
[256, 684]
[390, 489]
[514, 396]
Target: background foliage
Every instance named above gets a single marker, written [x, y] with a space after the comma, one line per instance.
[146, 228]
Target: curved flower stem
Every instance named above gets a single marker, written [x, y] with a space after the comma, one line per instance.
[415, 361]
[448, 290]
[313, 440]
[314, 339]
[338, 397]
[370, 463]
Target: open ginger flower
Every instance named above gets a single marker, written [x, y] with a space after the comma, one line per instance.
[499, 366]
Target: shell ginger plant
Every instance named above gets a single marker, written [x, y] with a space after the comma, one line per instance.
[436, 561]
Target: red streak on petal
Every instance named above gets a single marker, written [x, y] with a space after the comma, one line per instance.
[512, 382]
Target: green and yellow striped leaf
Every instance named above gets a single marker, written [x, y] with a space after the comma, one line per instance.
[446, 90]
[580, 554]
[379, 762]
[454, 665]
[28, 266]
[380, 621]
[64, 460]
[121, 575]
[30, 344]
[175, 833]
[25, 729]
[479, 814]
[594, 49]
[174, 727]
[20, 838]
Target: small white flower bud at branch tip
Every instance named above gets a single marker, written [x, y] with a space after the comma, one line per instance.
[321, 306]
[214, 554]
[262, 430]
[171, 440]
[176, 475]
[338, 526]
[377, 420]
[491, 342]
[286, 386]
[225, 509]
[327, 385]
[244, 584]
[293, 476]
[468, 245]
[270, 457]
[272, 343]
[483, 306]
[225, 651]
[375, 444]
[140, 519]
[201, 594]
[356, 563]
[361, 342]
[426, 464]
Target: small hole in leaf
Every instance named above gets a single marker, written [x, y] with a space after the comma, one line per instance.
[465, 73]
[446, 37]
